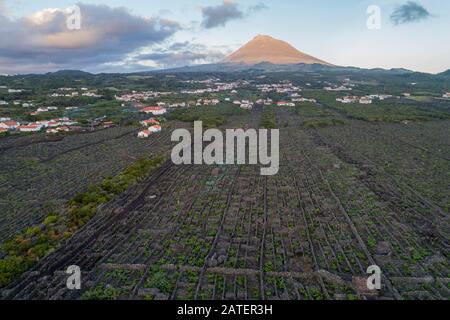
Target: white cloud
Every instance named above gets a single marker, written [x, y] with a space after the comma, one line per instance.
[107, 34]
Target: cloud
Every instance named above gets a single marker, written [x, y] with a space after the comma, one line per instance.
[409, 12]
[178, 55]
[258, 7]
[215, 16]
[107, 34]
[219, 16]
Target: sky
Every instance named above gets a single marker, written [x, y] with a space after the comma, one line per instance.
[38, 36]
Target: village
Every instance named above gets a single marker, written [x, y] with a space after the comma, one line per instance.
[51, 126]
[212, 92]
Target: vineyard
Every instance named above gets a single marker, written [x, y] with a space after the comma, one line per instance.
[349, 194]
[38, 175]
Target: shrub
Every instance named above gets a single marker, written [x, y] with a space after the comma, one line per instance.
[11, 267]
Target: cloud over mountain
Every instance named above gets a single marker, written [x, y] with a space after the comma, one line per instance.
[179, 55]
[106, 34]
[409, 12]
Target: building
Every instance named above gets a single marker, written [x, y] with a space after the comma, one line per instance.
[52, 124]
[46, 109]
[304, 100]
[9, 125]
[380, 96]
[108, 124]
[285, 104]
[365, 100]
[2, 130]
[149, 122]
[348, 99]
[63, 129]
[155, 129]
[144, 134]
[338, 88]
[157, 111]
[29, 128]
[247, 106]
[446, 95]
[66, 121]
[14, 90]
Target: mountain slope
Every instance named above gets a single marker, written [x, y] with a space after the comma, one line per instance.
[267, 49]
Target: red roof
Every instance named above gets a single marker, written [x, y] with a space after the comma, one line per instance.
[151, 121]
[3, 130]
[10, 123]
[30, 126]
[152, 109]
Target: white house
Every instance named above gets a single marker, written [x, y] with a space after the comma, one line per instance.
[348, 99]
[149, 122]
[365, 100]
[446, 95]
[247, 106]
[157, 111]
[9, 125]
[30, 128]
[303, 100]
[144, 134]
[285, 104]
[155, 129]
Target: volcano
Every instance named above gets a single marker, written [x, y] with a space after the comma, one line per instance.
[267, 49]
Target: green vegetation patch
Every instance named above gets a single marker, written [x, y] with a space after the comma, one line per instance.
[212, 116]
[268, 118]
[102, 293]
[21, 252]
[323, 123]
[318, 116]
[389, 112]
